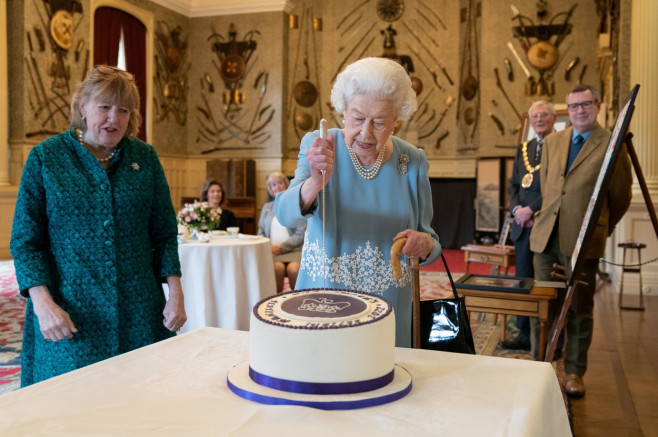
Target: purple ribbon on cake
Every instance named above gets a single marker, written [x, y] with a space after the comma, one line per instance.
[322, 405]
[321, 388]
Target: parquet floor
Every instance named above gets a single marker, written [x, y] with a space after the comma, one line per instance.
[622, 375]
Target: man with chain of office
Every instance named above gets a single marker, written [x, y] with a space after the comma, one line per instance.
[525, 201]
[571, 163]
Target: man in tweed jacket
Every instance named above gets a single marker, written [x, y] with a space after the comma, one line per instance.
[571, 163]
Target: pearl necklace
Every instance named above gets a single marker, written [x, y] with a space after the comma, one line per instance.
[81, 138]
[367, 173]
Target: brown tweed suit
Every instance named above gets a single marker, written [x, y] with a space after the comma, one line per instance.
[566, 197]
[557, 225]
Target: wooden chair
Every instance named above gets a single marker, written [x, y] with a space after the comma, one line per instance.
[499, 255]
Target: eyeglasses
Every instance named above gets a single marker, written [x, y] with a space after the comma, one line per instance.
[585, 105]
[540, 115]
[276, 184]
[106, 70]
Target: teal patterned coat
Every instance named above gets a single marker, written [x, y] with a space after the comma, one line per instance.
[102, 241]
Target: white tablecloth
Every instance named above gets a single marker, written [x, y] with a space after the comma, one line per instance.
[178, 388]
[224, 279]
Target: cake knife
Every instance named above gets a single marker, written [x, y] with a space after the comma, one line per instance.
[323, 135]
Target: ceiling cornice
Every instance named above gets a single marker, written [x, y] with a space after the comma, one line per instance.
[210, 8]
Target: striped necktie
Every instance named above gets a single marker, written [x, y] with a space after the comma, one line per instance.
[540, 144]
[576, 145]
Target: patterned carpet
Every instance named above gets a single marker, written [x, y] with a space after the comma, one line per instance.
[434, 285]
[12, 308]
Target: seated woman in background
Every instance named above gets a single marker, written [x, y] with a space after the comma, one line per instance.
[286, 242]
[213, 193]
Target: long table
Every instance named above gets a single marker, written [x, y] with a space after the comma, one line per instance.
[178, 388]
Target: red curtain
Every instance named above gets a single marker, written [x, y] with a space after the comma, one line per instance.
[108, 23]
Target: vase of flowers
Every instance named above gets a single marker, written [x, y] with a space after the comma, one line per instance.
[199, 217]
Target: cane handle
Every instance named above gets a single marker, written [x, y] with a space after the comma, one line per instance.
[395, 261]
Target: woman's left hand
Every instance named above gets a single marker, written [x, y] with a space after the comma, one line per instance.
[174, 310]
[419, 244]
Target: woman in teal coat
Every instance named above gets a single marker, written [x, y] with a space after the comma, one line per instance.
[94, 236]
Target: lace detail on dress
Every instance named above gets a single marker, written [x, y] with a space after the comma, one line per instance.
[366, 269]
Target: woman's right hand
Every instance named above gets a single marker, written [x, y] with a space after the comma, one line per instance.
[54, 322]
[320, 156]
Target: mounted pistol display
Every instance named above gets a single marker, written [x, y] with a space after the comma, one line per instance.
[53, 36]
[468, 103]
[171, 69]
[541, 43]
[305, 102]
[224, 115]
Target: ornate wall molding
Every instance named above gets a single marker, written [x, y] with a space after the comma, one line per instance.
[211, 8]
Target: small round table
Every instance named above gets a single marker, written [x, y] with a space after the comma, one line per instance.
[223, 279]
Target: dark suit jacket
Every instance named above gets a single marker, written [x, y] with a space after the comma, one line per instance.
[227, 220]
[519, 196]
[566, 196]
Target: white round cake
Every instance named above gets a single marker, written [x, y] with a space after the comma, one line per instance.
[322, 342]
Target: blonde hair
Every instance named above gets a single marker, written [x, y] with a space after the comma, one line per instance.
[276, 176]
[115, 89]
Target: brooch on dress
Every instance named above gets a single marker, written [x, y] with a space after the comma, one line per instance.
[403, 160]
[135, 166]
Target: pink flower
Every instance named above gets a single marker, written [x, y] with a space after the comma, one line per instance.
[188, 219]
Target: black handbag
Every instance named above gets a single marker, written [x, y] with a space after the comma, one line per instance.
[444, 324]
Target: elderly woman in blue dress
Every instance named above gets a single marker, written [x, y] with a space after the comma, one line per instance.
[286, 242]
[376, 190]
[94, 236]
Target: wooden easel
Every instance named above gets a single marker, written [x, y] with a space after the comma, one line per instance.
[559, 322]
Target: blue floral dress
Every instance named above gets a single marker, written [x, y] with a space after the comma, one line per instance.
[361, 219]
[102, 241]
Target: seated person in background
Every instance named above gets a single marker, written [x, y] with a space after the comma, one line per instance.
[213, 193]
[286, 242]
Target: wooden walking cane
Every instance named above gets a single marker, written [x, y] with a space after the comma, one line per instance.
[415, 287]
[415, 302]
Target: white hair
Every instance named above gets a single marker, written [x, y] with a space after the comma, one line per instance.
[380, 78]
[549, 105]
